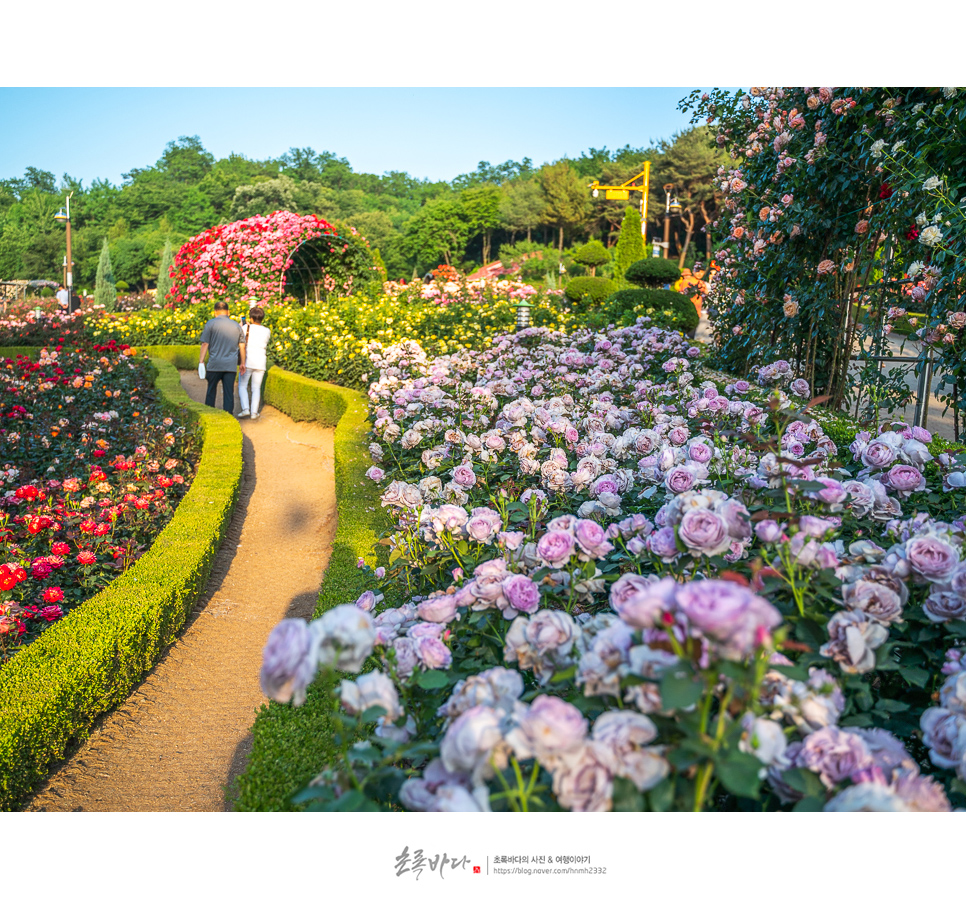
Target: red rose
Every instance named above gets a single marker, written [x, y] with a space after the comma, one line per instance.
[885, 191]
[86, 557]
[912, 233]
[60, 549]
[53, 594]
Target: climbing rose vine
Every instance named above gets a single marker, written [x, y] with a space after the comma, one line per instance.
[249, 258]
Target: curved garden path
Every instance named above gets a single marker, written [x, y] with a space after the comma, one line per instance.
[183, 735]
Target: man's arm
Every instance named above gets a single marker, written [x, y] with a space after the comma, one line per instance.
[241, 360]
[203, 352]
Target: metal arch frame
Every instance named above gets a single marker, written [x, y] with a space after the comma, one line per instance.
[312, 271]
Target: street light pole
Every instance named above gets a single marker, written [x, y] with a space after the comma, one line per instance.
[64, 215]
[667, 215]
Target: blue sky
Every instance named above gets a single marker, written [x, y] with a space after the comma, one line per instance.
[430, 132]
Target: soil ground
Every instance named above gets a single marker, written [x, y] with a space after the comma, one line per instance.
[182, 737]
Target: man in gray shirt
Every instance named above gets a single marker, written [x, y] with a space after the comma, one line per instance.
[223, 340]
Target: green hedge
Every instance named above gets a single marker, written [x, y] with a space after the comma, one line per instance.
[666, 309]
[585, 293]
[52, 691]
[292, 745]
[12, 351]
[653, 273]
[183, 357]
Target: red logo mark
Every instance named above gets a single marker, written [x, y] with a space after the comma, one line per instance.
[476, 870]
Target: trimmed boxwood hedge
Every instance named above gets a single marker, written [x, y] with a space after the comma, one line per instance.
[292, 745]
[52, 691]
[667, 309]
[586, 293]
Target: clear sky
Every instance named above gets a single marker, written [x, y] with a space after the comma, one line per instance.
[435, 133]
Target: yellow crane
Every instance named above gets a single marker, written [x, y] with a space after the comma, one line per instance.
[623, 193]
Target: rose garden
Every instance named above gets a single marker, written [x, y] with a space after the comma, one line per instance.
[586, 560]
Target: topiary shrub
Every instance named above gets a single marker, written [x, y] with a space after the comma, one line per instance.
[593, 255]
[630, 243]
[665, 309]
[653, 273]
[585, 293]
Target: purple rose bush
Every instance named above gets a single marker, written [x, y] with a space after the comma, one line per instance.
[615, 584]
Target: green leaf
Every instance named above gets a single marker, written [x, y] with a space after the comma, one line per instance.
[679, 689]
[738, 773]
[859, 720]
[353, 800]
[661, 797]
[795, 672]
[373, 714]
[560, 676]
[432, 680]
[626, 796]
[957, 628]
[810, 803]
[803, 781]
[886, 705]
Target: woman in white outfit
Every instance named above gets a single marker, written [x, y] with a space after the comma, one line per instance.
[256, 339]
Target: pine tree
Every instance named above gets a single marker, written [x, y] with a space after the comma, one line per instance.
[105, 290]
[630, 244]
[164, 275]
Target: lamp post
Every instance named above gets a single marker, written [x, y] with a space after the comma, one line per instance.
[667, 215]
[523, 315]
[64, 215]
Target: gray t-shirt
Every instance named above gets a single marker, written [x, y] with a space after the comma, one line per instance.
[223, 336]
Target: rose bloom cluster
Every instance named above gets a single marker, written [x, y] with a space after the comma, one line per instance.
[652, 550]
[93, 470]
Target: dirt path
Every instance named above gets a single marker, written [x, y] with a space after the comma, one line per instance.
[183, 734]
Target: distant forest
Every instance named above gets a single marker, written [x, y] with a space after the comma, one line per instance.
[415, 224]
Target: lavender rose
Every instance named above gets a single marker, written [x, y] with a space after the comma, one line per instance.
[583, 782]
[646, 607]
[729, 613]
[704, 533]
[522, 596]
[932, 559]
[834, 755]
[439, 609]
[288, 662]
[552, 727]
[556, 547]
[591, 539]
[484, 524]
[904, 480]
[346, 636]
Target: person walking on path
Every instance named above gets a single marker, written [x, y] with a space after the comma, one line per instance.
[256, 343]
[223, 341]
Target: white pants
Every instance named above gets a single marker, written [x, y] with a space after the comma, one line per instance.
[256, 377]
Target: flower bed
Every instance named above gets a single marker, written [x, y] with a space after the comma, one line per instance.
[83, 665]
[20, 324]
[613, 586]
[93, 469]
[327, 341]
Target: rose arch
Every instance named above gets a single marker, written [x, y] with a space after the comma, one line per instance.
[270, 258]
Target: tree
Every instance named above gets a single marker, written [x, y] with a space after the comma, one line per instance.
[438, 232]
[185, 160]
[568, 201]
[522, 207]
[264, 197]
[592, 254]
[164, 275]
[105, 289]
[481, 207]
[630, 244]
[689, 162]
